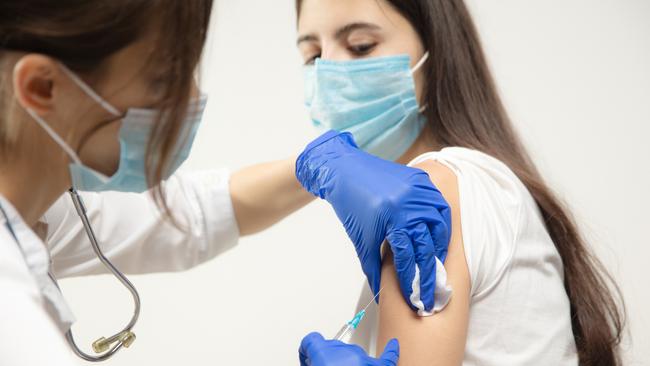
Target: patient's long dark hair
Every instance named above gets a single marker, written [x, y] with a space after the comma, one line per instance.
[466, 111]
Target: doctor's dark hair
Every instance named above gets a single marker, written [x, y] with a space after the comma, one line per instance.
[466, 110]
[82, 34]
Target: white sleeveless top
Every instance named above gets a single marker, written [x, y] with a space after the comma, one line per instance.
[519, 309]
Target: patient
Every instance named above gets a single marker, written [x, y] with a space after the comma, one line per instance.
[526, 289]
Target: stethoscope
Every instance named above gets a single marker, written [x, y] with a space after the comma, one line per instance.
[104, 347]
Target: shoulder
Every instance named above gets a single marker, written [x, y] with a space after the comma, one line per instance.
[440, 174]
[489, 200]
[482, 182]
[471, 169]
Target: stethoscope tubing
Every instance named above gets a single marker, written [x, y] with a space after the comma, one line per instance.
[119, 337]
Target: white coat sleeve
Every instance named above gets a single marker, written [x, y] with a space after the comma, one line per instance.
[136, 237]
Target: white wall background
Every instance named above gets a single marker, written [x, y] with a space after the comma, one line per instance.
[576, 78]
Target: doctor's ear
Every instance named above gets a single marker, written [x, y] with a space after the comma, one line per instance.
[34, 78]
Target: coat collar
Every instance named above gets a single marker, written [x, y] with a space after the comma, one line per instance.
[37, 258]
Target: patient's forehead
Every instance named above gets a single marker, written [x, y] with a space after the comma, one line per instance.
[323, 15]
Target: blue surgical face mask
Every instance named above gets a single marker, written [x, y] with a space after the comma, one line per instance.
[374, 99]
[135, 132]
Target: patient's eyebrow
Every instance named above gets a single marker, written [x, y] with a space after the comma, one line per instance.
[341, 32]
[349, 28]
[306, 38]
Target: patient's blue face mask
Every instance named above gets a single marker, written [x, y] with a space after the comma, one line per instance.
[374, 99]
[134, 136]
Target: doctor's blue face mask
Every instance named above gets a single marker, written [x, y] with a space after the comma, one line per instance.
[373, 98]
[137, 124]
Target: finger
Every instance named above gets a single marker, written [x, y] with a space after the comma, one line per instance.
[432, 196]
[404, 260]
[304, 361]
[308, 346]
[424, 283]
[374, 277]
[440, 230]
[390, 356]
[371, 265]
[442, 206]
[437, 215]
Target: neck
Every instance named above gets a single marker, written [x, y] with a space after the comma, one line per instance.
[31, 187]
[424, 143]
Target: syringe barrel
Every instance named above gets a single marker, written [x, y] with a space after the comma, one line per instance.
[345, 333]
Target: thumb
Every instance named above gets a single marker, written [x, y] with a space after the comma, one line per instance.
[391, 353]
[311, 341]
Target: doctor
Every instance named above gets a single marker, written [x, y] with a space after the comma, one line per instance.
[100, 96]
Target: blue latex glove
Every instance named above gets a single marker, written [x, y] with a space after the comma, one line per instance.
[376, 200]
[316, 351]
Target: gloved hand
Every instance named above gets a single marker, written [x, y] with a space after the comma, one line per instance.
[376, 200]
[316, 351]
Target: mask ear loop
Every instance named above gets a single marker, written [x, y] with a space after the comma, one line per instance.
[55, 136]
[415, 68]
[90, 92]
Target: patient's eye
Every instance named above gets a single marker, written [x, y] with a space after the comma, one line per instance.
[362, 42]
[362, 49]
[311, 59]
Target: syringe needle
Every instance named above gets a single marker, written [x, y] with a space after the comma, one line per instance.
[350, 327]
[373, 299]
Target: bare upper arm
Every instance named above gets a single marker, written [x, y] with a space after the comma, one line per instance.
[438, 339]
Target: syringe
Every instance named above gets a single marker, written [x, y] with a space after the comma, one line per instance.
[350, 327]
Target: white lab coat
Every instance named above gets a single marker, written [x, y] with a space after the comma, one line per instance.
[132, 233]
